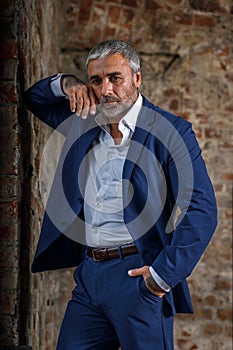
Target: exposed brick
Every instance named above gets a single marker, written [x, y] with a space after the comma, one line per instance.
[204, 21]
[8, 70]
[9, 278]
[184, 18]
[127, 18]
[9, 27]
[114, 14]
[213, 133]
[99, 13]
[174, 1]
[174, 104]
[85, 11]
[8, 302]
[9, 331]
[132, 3]
[9, 187]
[227, 176]
[224, 314]
[205, 5]
[8, 93]
[152, 5]
[9, 233]
[8, 116]
[9, 160]
[203, 81]
[9, 258]
[9, 49]
[9, 212]
[223, 284]
[109, 32]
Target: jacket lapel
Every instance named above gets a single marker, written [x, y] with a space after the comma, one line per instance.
[144, 125]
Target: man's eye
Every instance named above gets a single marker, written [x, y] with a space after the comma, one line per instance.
[115, 78]
[96, 82]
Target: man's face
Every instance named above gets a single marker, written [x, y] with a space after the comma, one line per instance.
[114, 83]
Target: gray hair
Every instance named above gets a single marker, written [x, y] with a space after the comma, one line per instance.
[111, 47]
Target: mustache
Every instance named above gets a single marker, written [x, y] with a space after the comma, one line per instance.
[109, 99]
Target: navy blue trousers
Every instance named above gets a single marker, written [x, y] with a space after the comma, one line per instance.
[110, 309]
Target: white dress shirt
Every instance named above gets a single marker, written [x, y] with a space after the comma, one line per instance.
[103, 204]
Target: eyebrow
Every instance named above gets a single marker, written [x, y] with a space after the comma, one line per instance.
[109, 75]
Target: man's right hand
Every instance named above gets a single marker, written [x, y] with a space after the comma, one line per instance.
[81, 96]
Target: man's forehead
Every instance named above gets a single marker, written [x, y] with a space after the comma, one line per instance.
[108, 64]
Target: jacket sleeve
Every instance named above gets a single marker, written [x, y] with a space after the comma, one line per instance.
[198, 212]
[46, 103]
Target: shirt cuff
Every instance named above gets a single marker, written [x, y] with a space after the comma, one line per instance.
[55, 85]
[162, 284]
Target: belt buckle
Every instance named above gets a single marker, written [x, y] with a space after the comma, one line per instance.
[98, 251]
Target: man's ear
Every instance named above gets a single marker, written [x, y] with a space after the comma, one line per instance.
[137, 79]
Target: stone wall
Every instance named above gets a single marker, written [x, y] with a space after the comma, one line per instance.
[186, 50]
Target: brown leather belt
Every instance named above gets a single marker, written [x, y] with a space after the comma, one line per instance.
[101, 254]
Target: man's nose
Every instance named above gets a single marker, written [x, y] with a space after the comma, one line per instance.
[106, 87]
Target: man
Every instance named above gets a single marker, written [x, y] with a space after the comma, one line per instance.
[125, 168]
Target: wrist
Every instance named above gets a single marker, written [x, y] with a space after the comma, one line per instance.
[67, 81]
[154, 287]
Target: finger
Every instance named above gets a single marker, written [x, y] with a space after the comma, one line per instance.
[86, 105]
[136, 272]
[72, 97]
[79, 105]
[93, 101]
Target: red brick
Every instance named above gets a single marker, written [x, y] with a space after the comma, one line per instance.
[183, 18]
[9, 160]
[127, 18]
[8, 116]
[228, 176]
[152, 5]
[225, 145]
[174, 104]
[198, 131]
[9, 136]
[98, 15]
[109, 33]
[114, 14]
[95, 33]
[9, 233]
[213, 133]
[205, 5]
[9, 49]
[9, 212]
[132, 3]
[8, 302]
[174, 1]
[204, 21]
[9, 187]
[9, 257]
[203, 118]
[224, 314]
[8, 93]
[223, 284]
[9, 278]
[85, 11]
[8, 70]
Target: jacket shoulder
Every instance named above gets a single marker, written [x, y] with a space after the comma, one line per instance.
[177, 121]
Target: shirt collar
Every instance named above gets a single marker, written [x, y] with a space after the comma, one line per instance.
[129, 120]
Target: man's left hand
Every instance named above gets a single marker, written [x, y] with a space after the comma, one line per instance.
[149, 280]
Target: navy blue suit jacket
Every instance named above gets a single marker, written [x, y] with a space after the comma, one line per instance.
[163, 170]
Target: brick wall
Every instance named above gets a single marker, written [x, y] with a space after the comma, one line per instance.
[30, 305]
[187, 65]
